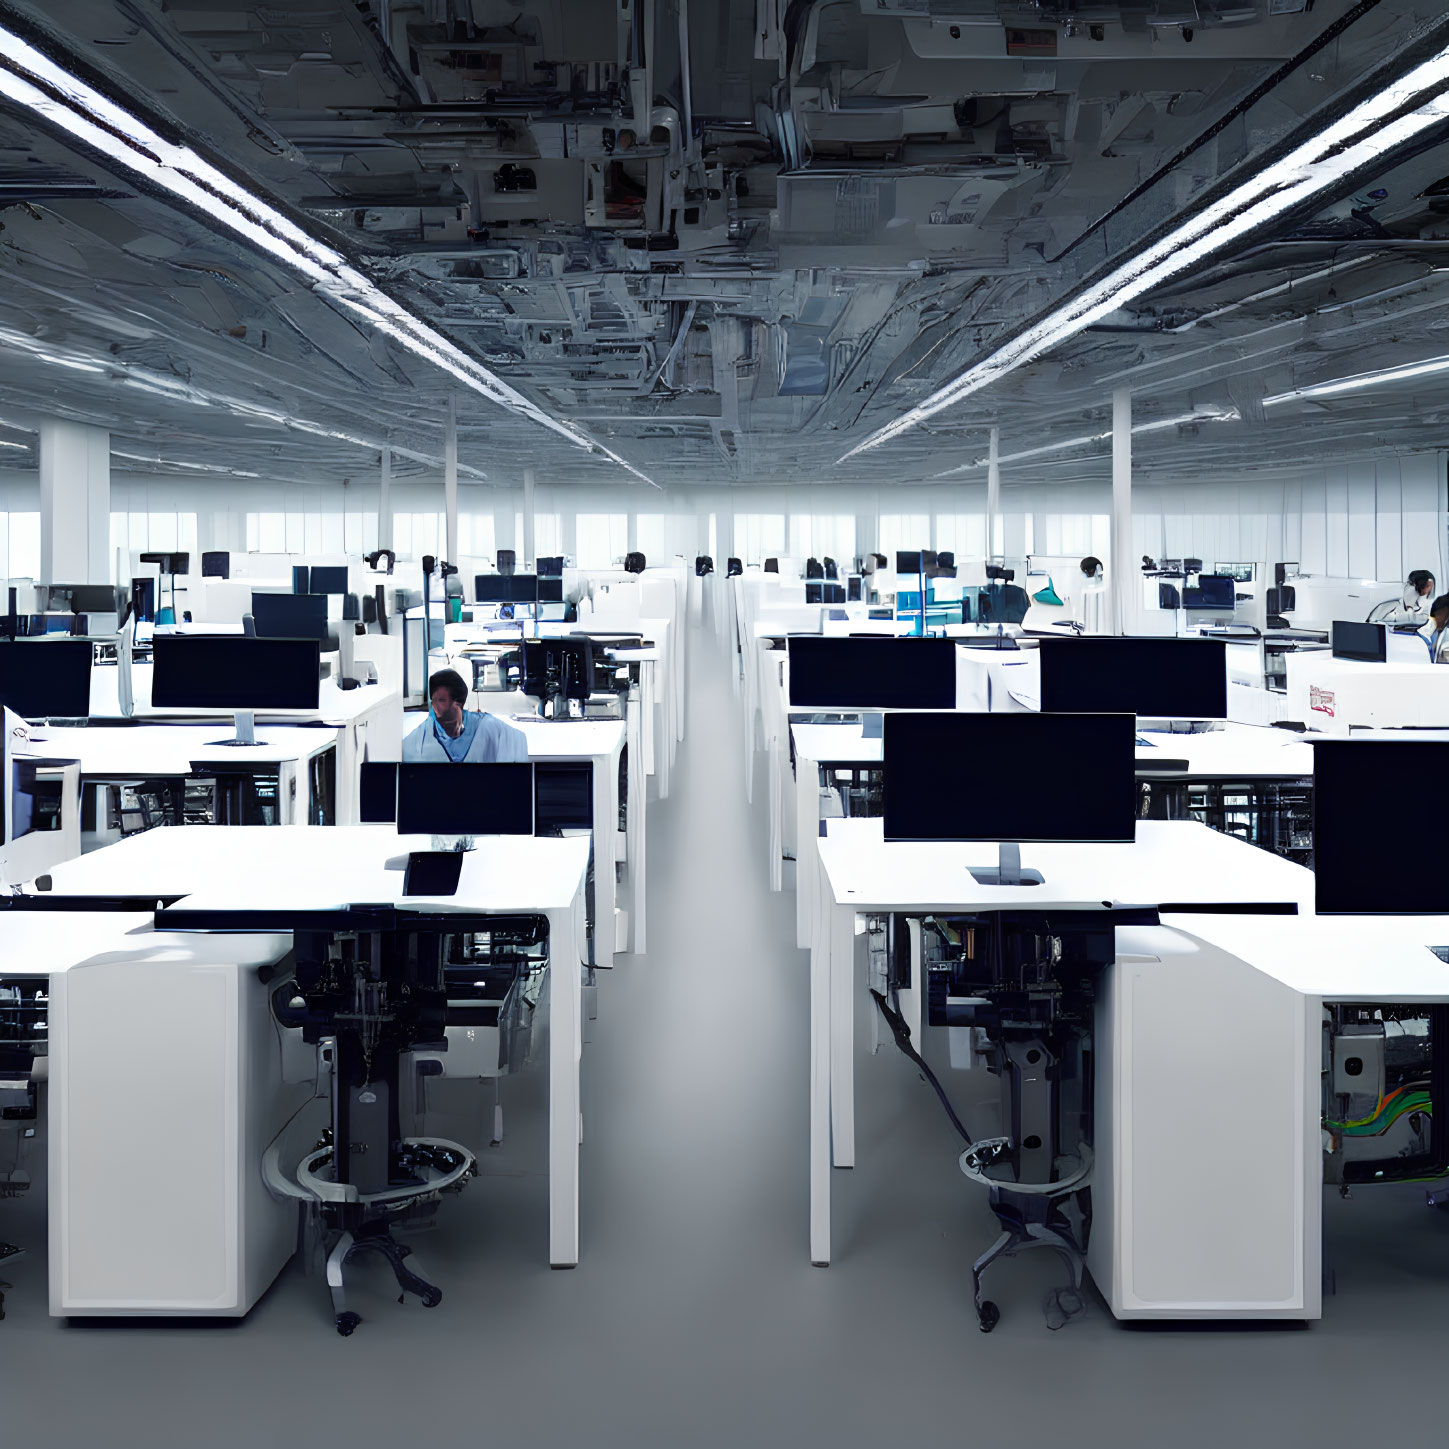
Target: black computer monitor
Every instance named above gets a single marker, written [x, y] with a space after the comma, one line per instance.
[1374, 802]
[377, 792]
[301, 579]
[558, 668]
[448, 799]
[551, 567]
[84, 598]
[290, 616]
[216, 564]
[47, 678]
[871, 673]
[1352, 640]
[833, 593]
[814, 591]
[550, 591]
[1010, 777]
[1211, 591]
[328, 579]
[908, 561]
[231, 672]
[505, 588]
[1152, 678]
[853, 589]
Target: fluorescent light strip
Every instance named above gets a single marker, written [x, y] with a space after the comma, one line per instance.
[1427, 368]
[90, 117]
[1200, 415]
[1341, 149]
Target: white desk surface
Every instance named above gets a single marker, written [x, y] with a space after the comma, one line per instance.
[1236, 750]
[42, 943]
[1338, 958]
[150, 750]
[287, 867]
[1169, 862]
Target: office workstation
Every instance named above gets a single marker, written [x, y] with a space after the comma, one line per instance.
[788, 653]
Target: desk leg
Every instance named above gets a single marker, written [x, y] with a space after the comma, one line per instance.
[820, 1101]
[606, 882]
[842, 1034]
[565, 1048]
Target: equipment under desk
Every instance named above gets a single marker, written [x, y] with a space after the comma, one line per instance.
[266, 887]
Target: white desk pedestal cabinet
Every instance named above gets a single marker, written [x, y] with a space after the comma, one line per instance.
[166, 1087]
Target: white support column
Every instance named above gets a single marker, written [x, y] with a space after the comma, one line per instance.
[529, 556]
[993, 490]
[384, 501]
[75, 504]
[1121, 576]
[450, 481]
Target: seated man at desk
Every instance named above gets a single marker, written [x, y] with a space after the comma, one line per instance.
[1415, 607]
[1434, 633]
[461, 736]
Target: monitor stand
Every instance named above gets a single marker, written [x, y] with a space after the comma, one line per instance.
[246, 730]
[1008, 871]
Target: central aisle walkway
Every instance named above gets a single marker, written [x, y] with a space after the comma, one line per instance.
[694, 1318]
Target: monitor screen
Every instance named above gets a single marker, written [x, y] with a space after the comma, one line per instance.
[1211, 592]
[231, 672]
[331, 579]
[1240, 573]
[1373, 801]
[84, 598]
[1153, 678]
[377, 793]
[1010, 777]
[290, 616]
[1360, 641]
[853, 586]
[447, 799]
[301, 579]
[550, 591]
[814, 591]
[551, 567]
[23, 792]
[908, 561]
[47, 678]
[505, 588]
[871, 673]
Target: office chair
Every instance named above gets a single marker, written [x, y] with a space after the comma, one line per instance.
[772, 565]
[813, 569]
[634, 562]
[733, 568]
[507, 560]
[703, 566]
[832, 570]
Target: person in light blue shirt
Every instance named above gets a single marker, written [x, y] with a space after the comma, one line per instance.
[461, 736]
[1435, 632]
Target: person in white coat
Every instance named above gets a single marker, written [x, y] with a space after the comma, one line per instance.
[1414, 607]
[461, 736]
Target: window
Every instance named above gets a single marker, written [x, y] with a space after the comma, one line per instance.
[266, 532]
[823, 535]
[963, 534]
[475, 535]
[903, 531]
[1074, 533]
[159, 532]
[23, 549]
[547, 535]
[602, 538]
[759, 536]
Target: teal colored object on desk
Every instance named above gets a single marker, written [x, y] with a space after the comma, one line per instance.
[1047, 595]
[165, 616]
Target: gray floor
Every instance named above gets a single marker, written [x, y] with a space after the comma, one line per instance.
[694, 1318]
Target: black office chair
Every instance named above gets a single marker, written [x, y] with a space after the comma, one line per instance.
[832, 570]
[703, 566]
[507, 561]
[772, 565]
[733, 568]
[813, 569]
[634, 563]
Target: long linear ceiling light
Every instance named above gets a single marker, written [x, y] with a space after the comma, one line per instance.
[1368, 131]
[1197, 415]
[32, 80]
[1427, 368]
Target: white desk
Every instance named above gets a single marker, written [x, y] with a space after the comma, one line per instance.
[272, 871]
[146, 752]
[1169, 863]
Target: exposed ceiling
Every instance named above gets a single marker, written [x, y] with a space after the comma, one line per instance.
[728, 270]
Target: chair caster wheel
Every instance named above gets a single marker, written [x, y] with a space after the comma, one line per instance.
[346, 1322]
[432, 1298]
[989, 1315]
